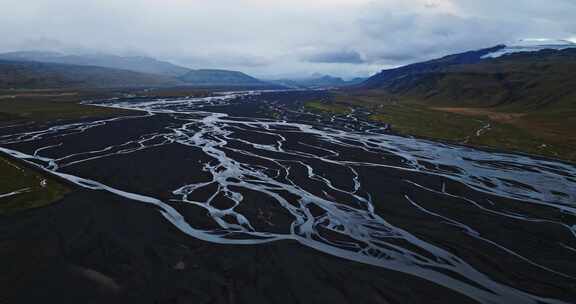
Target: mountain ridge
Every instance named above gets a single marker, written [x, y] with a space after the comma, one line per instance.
[531, 79]
[381, 78]
[40, 75]
[144, 65]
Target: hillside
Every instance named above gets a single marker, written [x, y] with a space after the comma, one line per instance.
[527, 81]
[35, 75]
[384, 78]
[131, 63]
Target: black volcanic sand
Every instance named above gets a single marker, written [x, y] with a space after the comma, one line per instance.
[94, 247]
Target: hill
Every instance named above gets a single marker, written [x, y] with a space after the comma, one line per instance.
[36, 75]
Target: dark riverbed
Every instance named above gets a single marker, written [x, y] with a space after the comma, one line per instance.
[244, 198]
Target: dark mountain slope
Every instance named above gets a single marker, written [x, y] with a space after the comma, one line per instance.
[530, 80]
[35, 75]
[384, 78]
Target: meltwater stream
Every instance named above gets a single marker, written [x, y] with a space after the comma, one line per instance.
[317, 182]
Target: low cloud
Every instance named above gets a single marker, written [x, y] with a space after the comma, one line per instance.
[397, 36]
[282, 37]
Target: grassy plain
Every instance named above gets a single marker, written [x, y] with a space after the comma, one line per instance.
[22, 188]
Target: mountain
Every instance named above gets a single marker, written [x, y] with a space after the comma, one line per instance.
[156, 69]
[531, 79]
[216, 78]
[134, 63]
[38, 75]
[325, 81]
[385, 77]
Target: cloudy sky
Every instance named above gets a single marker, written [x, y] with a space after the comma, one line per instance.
[281, 38]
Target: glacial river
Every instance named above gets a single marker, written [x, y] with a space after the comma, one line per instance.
[220, 172]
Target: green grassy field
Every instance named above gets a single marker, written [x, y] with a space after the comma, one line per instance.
[22, 188]
[549, 134]
[327, 107]
[49, 105]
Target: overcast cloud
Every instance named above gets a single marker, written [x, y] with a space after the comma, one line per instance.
[279, 38]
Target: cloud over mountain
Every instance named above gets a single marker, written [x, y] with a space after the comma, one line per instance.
[265, 38]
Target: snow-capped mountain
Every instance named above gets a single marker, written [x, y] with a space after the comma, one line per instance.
[532, 45]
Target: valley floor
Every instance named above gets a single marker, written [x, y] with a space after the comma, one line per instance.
[255, 198]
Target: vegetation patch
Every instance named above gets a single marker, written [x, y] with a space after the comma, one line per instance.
[51, 105]
[22, 188]
[328, 107]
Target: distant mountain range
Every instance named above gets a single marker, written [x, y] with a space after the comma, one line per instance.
[215, 78]
[490, 76]
[151, 72]
[324, 81]
[537, 77]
